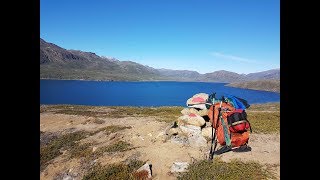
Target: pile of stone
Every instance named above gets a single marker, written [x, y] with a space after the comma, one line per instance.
[195, 111]
[193, 127]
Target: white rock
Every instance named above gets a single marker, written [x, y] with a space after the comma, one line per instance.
[197, 141]
[191, 119]
[195, 138]
[173, 131]
[185, 111]
[190, 130]
[207, 132]
[67, 177]
[179, 167]
[94, 149]
[202, 112]
[180, 140]
[191, 100]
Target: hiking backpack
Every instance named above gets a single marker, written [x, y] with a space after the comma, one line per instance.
[237, 121]
[232, 127]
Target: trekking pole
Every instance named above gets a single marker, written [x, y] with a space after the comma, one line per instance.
[214, 136]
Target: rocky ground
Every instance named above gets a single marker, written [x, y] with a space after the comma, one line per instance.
[148, 140]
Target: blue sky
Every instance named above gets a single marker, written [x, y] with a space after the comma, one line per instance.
[242, 36]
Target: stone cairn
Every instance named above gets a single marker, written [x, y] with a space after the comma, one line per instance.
[193, 126]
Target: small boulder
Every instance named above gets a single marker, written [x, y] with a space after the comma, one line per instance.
[195, 138]
[178, 167]
[207, 132]
[94, 149]
[67, 177]
[199, 98]
[144, 172]
[185, 111]
[191, 119]
[173, 131]
[180, 139]
[201, 112]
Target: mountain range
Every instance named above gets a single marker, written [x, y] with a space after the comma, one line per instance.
[59, 63]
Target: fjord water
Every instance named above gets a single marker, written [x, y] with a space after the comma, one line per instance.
[101, 93]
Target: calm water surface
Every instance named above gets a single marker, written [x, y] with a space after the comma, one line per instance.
[100, 93]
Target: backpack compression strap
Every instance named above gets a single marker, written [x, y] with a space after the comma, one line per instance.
[225, 132]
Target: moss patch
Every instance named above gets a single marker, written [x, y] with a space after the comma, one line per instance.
[220, 170]
[110, 129]
[52, 150]
[98, 121]
[83, 150]
[119, 146]
[264, 122]
[114, 171]
[265, 107]
[166, 114]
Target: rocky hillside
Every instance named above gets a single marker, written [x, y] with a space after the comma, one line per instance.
[265, 85]
[60, 63]
[222, 75]
[182, 75]
[273, 74]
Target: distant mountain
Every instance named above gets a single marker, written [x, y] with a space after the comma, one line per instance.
[60, 63]
[222, 76]
[264, 85]
[182, 75]
[273, 74]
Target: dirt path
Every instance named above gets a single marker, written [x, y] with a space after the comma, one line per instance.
[146, 135]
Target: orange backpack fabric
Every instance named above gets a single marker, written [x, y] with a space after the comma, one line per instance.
[237, 139]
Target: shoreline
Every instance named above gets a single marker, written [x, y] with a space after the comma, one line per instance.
[131, 81]
[255, 104]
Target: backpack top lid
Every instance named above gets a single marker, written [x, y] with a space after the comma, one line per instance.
[237, 102]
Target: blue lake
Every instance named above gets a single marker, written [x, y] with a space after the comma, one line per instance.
[100, 93]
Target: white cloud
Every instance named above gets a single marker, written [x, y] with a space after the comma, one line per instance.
[233, 58]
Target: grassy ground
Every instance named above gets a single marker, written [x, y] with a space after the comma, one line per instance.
[53, 149]
[70, 142]
[264, 122]
[167, 114]
[118, 171]
[85, 150]
[264, 107]
[264, 118]
[235, 169]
